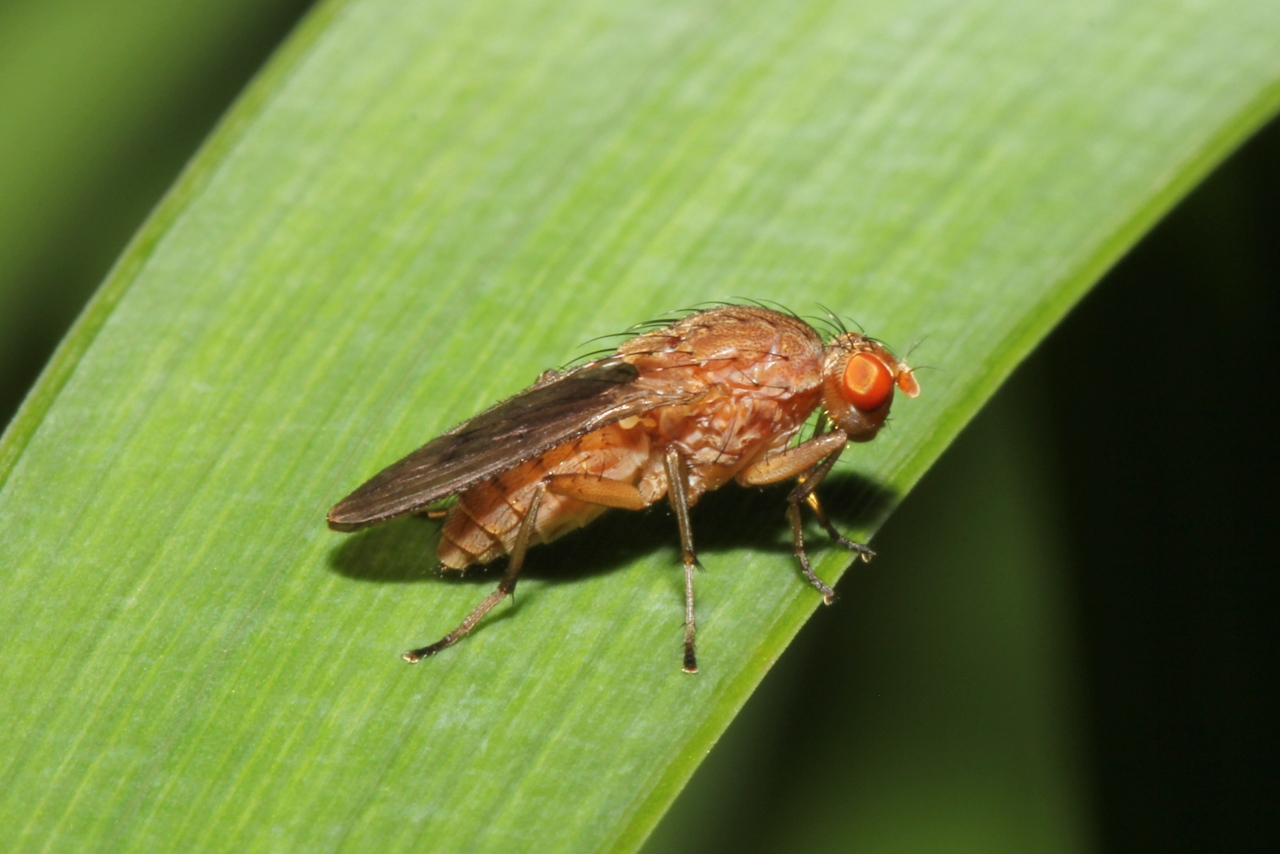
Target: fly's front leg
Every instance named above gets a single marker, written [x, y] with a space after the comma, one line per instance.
[806, 491]
[805, 460]
[861, 550]
[506, 586]
[678, 494]
[809, 461]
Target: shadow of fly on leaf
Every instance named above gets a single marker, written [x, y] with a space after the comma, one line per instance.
[730, 519]
[676, 412]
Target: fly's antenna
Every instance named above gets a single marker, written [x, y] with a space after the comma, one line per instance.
[913, 347]
[915, 368]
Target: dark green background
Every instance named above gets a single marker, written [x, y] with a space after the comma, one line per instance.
[1139, 439]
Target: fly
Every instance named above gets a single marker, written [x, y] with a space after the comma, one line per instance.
[676, 412]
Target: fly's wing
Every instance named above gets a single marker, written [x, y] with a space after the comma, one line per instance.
[558, 409]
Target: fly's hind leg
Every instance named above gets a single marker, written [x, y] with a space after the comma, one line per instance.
[597, 490]
[678, 495]
[809, 462]
[614, 493]
[506, 586]
[593, 490]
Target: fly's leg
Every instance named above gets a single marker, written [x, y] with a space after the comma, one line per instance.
[597, 490]
[861, 550]
[506, 586]
[678, 495]
[806, 492]
[433, 513]
[615, 493]
[809, 462]
[794, 462]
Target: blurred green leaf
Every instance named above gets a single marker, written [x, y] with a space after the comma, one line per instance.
[102, 102]
[414, 210]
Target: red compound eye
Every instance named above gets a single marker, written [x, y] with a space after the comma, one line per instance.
[868, 382]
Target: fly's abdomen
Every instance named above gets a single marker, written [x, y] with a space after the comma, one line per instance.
[483, 525]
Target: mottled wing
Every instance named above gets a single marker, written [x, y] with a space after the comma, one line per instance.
[556, 410]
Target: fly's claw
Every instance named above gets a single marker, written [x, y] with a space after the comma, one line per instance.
[861, 551]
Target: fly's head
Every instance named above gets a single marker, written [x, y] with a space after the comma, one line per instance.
[859, 375]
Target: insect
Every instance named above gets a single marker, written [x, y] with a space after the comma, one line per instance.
[676, 412]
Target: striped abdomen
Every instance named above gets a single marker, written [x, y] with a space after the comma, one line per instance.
[482, 526]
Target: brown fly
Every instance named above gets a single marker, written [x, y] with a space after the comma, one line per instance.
[718, 395]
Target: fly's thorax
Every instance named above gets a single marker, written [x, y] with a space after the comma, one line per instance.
[752, 375]
[731, 346]
[859, 375]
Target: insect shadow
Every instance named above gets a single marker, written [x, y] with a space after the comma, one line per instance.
[403, 551]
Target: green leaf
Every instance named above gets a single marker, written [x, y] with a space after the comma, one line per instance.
[413, 211]
[103, 101]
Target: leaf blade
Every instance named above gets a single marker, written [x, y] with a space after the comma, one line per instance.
[269, 338]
